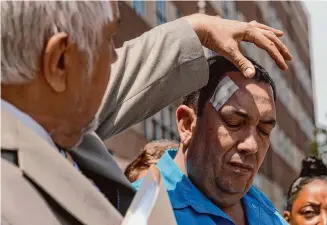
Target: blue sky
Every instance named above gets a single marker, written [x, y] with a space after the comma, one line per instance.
[318, 29]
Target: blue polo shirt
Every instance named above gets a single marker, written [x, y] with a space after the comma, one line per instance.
[191, 207]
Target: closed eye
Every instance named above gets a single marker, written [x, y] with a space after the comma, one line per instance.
[263, 132]
[233, 125]
[232, 122]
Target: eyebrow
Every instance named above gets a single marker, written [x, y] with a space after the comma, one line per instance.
[311, 203]
[241, 114]
[267, 120]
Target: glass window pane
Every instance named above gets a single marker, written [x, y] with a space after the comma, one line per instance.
[166, 117]
[161, 12]
[138, 5]
[158, 134]
[148, 129]
[157, 117]
[178, 14]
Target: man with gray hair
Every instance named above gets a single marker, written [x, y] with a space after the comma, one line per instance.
[56, 65]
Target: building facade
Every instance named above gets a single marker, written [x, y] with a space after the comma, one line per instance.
[295, 103]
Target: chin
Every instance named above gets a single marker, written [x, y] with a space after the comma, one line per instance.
[78, 142]
[67, 141]
[230, 191]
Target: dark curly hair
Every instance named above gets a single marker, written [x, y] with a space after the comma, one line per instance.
[312, 169]
[218, 67]
[150, 155]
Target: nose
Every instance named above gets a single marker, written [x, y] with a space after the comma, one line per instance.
[249, 145]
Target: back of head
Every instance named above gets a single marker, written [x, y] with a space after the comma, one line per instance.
[55, 58]
[26, 26]
[150, 155]
[312, 169]
[218, 67]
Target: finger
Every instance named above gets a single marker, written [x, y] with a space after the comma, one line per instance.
[234, 55]
[269, 46]
[279, 44]
[277, 32]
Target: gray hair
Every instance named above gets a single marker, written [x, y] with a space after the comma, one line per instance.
[26, 26]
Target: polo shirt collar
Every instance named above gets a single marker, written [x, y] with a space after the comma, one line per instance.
[181, 191]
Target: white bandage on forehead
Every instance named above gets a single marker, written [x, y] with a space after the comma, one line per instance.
[224, 90]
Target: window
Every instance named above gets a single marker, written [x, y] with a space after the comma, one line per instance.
[138, 6]
[178, 14]
[225, 9]
[161, 12]
[162, 125]
[257, 182]
[229, 10]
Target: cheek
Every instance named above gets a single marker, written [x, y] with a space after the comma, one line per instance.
[225, 139]
[100, 82]
[300, 220]
[263, 147]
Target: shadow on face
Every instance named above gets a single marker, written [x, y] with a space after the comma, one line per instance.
[310, 205]
[228, 146]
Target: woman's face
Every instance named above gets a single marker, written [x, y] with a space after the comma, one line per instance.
[310, 207]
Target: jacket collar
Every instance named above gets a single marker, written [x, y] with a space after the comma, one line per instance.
[182, 192]
[93, 155]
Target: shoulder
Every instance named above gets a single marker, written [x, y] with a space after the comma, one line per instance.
[267, 206]
[261, 198]
[21, 199]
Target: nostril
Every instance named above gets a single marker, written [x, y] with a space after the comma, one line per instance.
[243, 152]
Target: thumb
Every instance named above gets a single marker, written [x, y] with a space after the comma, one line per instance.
[242, 63]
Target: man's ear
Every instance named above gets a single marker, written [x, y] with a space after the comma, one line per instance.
[186, 121]
[287, 215]
[54, 69]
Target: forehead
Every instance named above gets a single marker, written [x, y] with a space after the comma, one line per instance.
[315, 190]
[252, 96]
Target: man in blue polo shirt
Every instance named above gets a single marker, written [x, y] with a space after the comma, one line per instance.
[224, 130]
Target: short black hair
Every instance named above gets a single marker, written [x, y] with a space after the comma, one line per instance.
[218, 67]
[312, 169]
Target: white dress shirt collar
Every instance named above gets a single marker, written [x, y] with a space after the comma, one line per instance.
[28, 121]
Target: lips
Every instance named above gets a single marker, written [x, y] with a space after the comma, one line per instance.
[241, 167]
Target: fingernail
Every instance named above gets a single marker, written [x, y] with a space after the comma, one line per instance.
[249, 72]
[286, 67]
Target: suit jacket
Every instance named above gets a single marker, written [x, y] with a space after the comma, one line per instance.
[40, 187]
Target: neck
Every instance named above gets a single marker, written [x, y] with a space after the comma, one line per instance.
[29, 101]
[235, 211]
